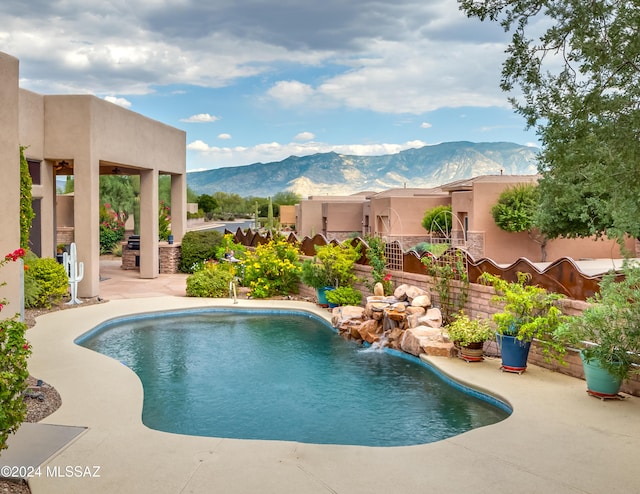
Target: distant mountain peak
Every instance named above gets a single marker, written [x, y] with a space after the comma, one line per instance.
[342, 174]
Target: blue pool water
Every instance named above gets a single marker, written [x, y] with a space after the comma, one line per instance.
[283, 376]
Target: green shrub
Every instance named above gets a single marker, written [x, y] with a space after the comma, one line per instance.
[344, 295]
[438, 221]
[198, 247]
[272, 269]
[51, 278]
[211, 281]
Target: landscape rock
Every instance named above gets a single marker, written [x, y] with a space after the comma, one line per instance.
[413, 291]
[401, 292]
[378, 290]
[421, 301]
[370, 331]
[432, 318]
[416, 339]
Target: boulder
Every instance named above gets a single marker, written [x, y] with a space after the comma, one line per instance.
[370, 331]
[416, 339]
[421, 301]
[414, 291]
[346, 313]
[440, 349]
[401, 292]
[395, 338]
[419, 311]
[378, 290]
[432, 318]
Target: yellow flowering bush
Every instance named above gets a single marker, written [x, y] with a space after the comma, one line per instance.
[272, 269]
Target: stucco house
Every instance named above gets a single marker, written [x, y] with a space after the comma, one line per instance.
[396, 215]
[471, 203]
[87, 137]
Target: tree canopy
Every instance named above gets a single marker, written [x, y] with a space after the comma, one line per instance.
[577, 66]
[516, 211]
[438, 220]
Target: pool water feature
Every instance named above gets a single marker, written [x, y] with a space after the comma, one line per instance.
[283, 376]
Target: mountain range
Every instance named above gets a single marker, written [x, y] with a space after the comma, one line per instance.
[339, 174]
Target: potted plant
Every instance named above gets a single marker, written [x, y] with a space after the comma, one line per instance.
[528, 312]
[344, 295]
[332, 266]
[469, 336]
[315, 275]
[608, 333]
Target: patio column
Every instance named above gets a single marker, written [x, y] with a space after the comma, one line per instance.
[178, 206]
[10, 196]
[149, 255]
[86, 220]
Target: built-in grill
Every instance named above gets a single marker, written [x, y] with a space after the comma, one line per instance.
[133, 243]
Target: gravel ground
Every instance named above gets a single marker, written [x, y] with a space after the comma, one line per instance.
[41, 399]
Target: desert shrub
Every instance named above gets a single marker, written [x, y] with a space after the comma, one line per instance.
[344, 295]
[211, 281]
[50, 277]
[228, 247]
[198, 247]
[272, 269]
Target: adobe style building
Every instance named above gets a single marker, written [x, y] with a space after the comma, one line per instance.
[471, 203]
[83, 136]
[396, 215]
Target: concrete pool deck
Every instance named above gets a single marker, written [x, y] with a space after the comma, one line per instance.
[558, 439]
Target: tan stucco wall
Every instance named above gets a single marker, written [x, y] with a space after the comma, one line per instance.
[399, 217]
[342, 218]
[10, 196]
[309, 212]
[287, 215]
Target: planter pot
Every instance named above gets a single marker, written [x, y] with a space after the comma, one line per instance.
[322, 295]
[514, 353]
[472, 352]
[599, 382]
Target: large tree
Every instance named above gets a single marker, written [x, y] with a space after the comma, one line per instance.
[577, 65]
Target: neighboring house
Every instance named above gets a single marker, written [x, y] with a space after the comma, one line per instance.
[84, 136]
[333, 216]
[396, 215]
[471, 203]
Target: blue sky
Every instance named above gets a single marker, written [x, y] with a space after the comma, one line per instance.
[254, 80]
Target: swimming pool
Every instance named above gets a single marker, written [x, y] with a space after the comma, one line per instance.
[282, 375]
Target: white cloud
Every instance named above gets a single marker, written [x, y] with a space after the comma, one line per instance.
[305, 136]
[118, 101]
[289, 93]
[224, 136]
[274, 151]
[425, 125]
[200, 118]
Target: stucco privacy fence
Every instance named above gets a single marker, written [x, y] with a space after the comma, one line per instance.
[562, 276]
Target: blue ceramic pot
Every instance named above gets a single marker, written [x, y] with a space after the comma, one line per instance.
[514, 353]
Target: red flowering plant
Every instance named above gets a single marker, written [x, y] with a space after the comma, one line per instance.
[14, 350]
[111, 229]
[448, 270]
